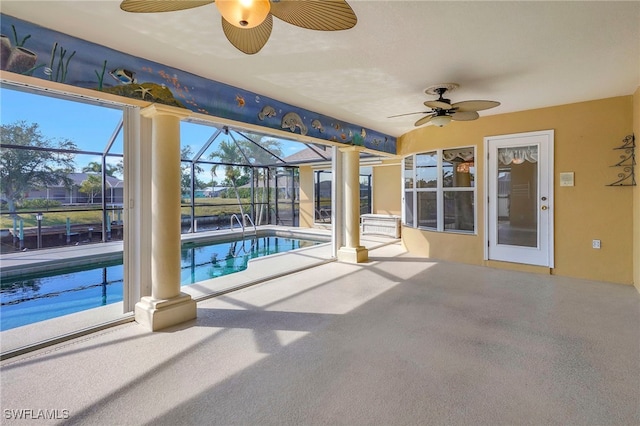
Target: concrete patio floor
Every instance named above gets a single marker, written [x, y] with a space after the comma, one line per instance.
[397, 340]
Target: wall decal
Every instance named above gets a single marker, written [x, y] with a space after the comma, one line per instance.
[316, 124]
[266, 111]
[292, 121]
[55, 56]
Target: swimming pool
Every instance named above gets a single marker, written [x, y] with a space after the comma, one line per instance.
[37, 297]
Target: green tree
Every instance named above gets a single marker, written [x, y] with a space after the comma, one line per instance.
[228, 152]
[23, 169]
[261, 150]
[265, 151]
[240, 156]
[91, 186]
[186, 153]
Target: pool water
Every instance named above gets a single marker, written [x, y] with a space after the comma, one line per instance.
[27, 300]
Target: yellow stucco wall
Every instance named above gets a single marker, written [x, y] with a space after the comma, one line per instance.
[387, 188]
[306, 197]
[585, 135]
[386, 185]
[636, 193]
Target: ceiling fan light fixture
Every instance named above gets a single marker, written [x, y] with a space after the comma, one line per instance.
[244, 13]
[247, 24]
[441, 120]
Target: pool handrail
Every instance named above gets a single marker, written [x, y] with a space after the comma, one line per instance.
[246, 216]
[243, 249]
[237, 218]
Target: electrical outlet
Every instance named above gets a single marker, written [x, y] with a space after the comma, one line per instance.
[596, 244]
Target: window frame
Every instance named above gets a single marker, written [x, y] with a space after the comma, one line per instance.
[413, 191]
[362, 174]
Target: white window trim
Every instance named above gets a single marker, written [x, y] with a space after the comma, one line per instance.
[439, 190]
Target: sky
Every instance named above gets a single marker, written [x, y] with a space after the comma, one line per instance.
[90, 126]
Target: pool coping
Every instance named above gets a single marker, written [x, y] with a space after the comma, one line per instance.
[30, 337]
[29, 262]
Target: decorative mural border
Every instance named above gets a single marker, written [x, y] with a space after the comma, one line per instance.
[32, 50]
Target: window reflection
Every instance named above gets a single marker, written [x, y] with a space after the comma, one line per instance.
[517, 196]
[444, 190]
[427, 170]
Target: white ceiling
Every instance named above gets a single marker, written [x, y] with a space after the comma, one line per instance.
[524, 54]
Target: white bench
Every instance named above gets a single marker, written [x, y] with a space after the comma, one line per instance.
[381, 224]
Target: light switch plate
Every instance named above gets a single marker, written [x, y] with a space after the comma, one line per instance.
[566, 179]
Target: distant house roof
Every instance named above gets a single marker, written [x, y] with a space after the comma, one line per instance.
[78, 178]
[312, 154]
[315, 154]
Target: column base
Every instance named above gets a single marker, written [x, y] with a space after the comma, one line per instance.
[156, 314]
[353, 254]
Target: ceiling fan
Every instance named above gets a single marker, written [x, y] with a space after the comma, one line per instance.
[247, 23]
[443, 111]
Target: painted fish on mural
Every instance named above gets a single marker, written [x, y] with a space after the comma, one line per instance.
[291, 120]
[240, 101]
[316, 124]
[123, 76]
[267, 111]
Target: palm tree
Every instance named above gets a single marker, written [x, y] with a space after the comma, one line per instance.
[240, 157]
[95, 167]
[229, 153]
[261, 150]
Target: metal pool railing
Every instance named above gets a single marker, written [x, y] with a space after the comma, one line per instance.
[243, 249]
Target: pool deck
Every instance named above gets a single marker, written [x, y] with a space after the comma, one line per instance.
[398, 340]
[259, 270]
[32, 261]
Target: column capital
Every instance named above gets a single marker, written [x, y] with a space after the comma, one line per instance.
[155, 110]
[351, 148]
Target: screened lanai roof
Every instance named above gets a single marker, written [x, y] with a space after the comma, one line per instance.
[223, 145]
[96, 129]
[206, 143]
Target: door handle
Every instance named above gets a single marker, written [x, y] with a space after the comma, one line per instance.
[544, 207]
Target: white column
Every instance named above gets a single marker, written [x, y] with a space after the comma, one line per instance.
[137, 207]
[352, 251]
[337, 197]
[167, 305]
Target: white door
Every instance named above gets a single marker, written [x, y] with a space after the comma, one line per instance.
[519, 208]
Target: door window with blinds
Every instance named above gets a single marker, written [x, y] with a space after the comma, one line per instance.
[439, 190]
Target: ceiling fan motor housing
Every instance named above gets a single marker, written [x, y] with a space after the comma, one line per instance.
[443, 111]
[440, 89]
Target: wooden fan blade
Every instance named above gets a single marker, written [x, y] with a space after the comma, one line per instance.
[465, 116]
[322, 15]
[410, 113]
[437, 105]
[153, 6]
[248, 40]
[424, 120]
[465, 106]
